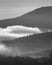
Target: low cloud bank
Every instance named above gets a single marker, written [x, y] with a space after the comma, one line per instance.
[37, 53]
[9, 51]
[17, 31]
[15, 51]
[13, 32]
[23, 29]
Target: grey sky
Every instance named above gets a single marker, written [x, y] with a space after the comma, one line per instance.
[13, 8]
[24, 3]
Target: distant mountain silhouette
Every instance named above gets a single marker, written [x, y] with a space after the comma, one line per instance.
[40, 17]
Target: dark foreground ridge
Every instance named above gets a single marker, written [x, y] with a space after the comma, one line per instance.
[26, 61]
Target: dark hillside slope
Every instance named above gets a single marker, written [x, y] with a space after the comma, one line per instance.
[43, 40]
[41, 17]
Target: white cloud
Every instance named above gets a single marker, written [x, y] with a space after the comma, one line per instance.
[13, 32]
[17, 31]
[9, 51]
[4, 50]
[23, 29]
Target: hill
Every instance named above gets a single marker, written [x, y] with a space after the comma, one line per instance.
[35, 40]
[26, 61]
[35, 45]
[40, 17]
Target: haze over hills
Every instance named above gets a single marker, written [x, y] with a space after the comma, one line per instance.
[30, 45]
[25, 32]
[41, 17]
[35, 45]
[43, 38]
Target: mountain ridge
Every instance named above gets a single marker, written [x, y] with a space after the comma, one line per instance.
[41, 17]
[32, 44]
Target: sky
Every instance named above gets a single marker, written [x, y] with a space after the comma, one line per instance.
[15, 8]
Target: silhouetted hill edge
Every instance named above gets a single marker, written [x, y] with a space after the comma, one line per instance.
[41, 17]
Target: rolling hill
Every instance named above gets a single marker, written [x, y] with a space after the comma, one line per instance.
[29, 46]
[40, 17]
